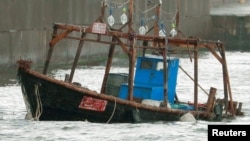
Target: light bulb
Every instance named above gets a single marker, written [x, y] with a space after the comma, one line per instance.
[162, 33]
[124, 18]
[111, 20]
[173, 32]
[142, 30]
[160, 1]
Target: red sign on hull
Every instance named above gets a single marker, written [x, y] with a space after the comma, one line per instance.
[94, 104]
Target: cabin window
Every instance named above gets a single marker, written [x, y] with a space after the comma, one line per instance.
[146, 64]
[159, 66]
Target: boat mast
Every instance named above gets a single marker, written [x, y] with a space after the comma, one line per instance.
[132, 51]
[163, 53]
[110, 55]
[156, 24]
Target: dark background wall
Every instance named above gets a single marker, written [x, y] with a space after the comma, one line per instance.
[231, 24]
[26, 25]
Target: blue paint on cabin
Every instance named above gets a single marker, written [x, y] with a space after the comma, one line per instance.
[149, 79]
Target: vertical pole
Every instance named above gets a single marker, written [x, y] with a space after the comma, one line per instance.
[178, 16]
[196, 77]
[103, 5]
[108, 65]
[78, 53]
[156, 26]
[51, 48]
[132, 56]
[132, 52]
[165, 75]
[211, 99]
[227, 86]
[131, 11]
[224, 78]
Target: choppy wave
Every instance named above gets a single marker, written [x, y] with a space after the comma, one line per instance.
[14, 127]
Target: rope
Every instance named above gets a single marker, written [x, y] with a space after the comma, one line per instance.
[112, 112]
[193, 80]
[39, 108]
[28, 107]
[149, 9]
[117, 5]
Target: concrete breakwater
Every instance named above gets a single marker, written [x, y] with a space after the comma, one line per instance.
[231, 23]
[26, 26]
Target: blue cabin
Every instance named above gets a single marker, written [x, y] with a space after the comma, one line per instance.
[149, 79]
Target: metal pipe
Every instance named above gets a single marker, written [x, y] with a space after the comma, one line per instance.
[193, 80]
[78, 53]
[227, 85]
[108, 65]
[132, 55]
[196, 78]
[50, 52]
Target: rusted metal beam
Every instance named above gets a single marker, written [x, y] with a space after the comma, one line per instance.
[55, 38]
[227, 85]
[130, 16]
[108, 65]
[132, 57]
[60, 36]
[174, 42]
[189, 52]
[78, 53]
[165, 75]
[196, 78]
[211, 49]
[211, 99]
[103, 7]
[79, 28]
[123, 46]
[178, 17]
[156, 26]
[93, 40]
[50, 52]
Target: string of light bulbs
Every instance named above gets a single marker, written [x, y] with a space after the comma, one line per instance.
[143, 28]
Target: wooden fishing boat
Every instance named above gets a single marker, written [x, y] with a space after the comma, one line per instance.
[147, 93]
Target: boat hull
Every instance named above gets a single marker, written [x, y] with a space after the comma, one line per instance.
[55, 100]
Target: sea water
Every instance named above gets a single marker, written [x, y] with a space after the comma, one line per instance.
[14, 126]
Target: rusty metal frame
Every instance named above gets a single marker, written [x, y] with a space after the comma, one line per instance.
[159, 43]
